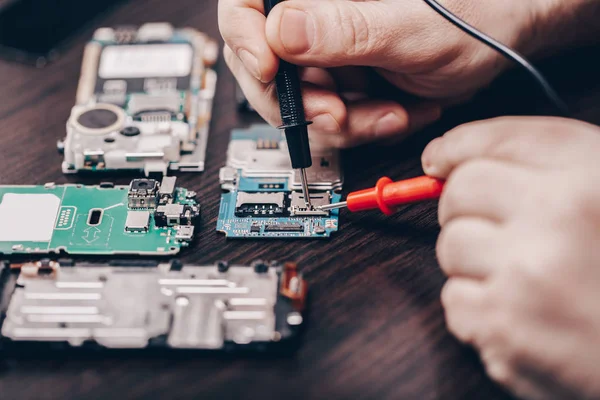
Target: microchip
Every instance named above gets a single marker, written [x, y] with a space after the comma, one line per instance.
[265, 205]
[255, 229]
[137, 221]
[143, 193]
[284, 228]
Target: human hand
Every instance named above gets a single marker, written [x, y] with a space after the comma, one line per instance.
[345, 43]
[520, 217]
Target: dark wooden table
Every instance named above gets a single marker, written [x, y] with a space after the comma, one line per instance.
[376, 328]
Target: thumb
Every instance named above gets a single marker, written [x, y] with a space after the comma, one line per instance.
[331, 33]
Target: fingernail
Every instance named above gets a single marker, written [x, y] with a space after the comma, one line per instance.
[296, 31]
[388, 125]
[327, 124]
[423, 115]
[427, 157]
[250, 62]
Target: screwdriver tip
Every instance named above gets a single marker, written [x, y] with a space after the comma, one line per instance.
[305, 191]
[332, 206]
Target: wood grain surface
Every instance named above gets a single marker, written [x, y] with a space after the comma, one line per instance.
[376, 328]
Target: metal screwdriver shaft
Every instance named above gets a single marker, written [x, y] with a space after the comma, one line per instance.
[333, 206]
[291, 107]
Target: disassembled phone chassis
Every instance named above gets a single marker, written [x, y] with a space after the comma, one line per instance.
[173, 306]
[144, 101]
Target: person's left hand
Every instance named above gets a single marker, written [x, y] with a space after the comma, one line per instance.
[520, 243]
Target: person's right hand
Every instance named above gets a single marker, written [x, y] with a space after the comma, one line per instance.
[403, 41]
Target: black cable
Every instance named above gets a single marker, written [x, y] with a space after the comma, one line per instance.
[507, 52]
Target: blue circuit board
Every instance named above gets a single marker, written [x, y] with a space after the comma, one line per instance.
[235, 226]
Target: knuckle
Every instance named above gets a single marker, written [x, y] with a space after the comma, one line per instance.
[542, 271]
[574, 203]
[447, 241]
[457, 189]
[443, 52]
[448, 295]
[472, 172]
[460, 134]
[500, 371]
[360, 35]
[500, 327]
[454, 327]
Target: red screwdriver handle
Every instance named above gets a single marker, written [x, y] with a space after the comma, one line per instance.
[387, 195]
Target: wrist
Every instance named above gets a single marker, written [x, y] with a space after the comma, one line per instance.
[559, 24]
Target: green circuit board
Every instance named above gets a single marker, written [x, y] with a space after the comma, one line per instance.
[102, 219]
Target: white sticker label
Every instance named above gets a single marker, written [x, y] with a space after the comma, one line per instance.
[146, 60]
[28, 217]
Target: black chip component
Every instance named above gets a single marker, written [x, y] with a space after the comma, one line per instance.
[284, 228]
[143, 193]
[260, 210]
[255, 229]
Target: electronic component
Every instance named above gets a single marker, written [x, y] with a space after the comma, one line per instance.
[184, 232]
[103, 219]
[167, 189]
[299, 208]
[176, 214]
[263, 194]
[143, 193]
[137, 221]
[144, 101]
[260, 204]
[122, 305]
[255, 228]
[284, 228]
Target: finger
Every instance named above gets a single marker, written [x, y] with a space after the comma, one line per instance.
[514, 139]
[374, 120]
[318, 77]
[483, 188]
[323, 107]
[242, 25]
[332, 33]
[462, 299]
[353, 79]
[467, 247]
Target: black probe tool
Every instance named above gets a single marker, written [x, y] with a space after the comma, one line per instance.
[291, 107]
